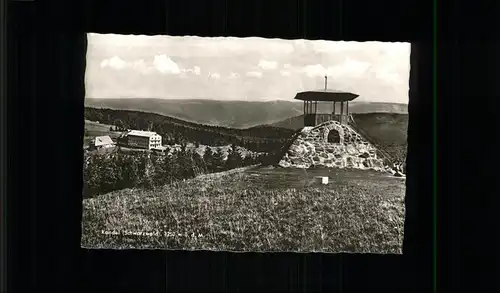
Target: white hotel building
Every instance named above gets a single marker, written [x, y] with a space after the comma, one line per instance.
[143, 139]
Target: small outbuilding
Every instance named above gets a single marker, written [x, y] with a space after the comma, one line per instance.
[102, 142]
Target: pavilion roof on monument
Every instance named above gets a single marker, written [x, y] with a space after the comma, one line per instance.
[326, 96]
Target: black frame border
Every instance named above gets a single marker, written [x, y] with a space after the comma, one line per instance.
[55, 89]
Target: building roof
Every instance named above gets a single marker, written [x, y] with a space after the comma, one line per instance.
[102, 140]
[141, 133]
[326, 96]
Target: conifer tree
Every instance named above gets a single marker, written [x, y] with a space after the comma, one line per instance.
[233, 159]
[218, 160]
[208, 158]
[248, 160]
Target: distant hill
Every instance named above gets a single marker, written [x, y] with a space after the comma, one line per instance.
[234, 114]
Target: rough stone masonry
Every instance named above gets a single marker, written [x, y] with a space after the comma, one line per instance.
[331, 144]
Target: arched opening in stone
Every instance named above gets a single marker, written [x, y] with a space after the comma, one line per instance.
[333, 136]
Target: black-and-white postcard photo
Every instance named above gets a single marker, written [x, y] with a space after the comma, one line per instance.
[245, 144]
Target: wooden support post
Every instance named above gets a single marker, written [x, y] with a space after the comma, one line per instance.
[333, 113]
[347, 113]
[341, 112]
[305, 107]
[316, 122]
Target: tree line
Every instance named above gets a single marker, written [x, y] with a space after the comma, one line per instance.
[176, 131]
[106, 172]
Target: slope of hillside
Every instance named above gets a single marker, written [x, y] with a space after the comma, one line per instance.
[295, 123]
[234, 114]
[365, 108]
[387, 127]
[388, 131]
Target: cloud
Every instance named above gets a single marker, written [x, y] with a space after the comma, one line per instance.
[214, 75]
[355, 67]
[195, 70]
[141, 66]
[254, 74]
[234, 75]
[165, 65]
[389, 77]
[117, 63]
[315, 70]
[114, 62]
[268, 65]
[350, 68]
[285, 73]
[287, 66]
[161, 63]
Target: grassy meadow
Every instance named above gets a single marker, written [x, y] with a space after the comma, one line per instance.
[254, 209]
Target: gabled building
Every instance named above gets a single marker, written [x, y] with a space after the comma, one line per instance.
[101, 142]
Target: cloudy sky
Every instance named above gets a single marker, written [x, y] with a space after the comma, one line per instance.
[253, 69]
